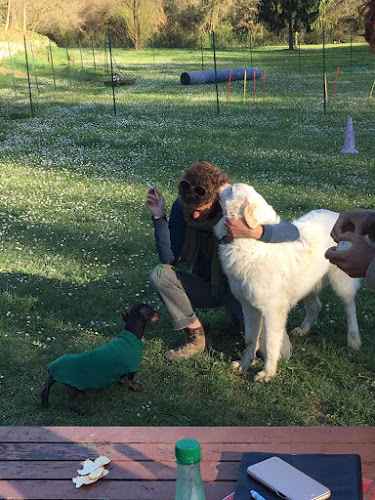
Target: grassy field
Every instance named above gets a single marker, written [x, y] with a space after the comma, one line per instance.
[77, 242]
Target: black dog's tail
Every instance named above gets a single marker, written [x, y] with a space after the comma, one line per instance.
[45, 392]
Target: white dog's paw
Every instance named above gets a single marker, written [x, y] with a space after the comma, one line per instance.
[298, 332]
[237, 365]
[242, 365]
[263, 376]
[354, 341]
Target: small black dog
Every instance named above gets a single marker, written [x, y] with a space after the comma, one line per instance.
[105, 365]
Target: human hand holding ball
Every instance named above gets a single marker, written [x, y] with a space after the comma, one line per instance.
[353, 254]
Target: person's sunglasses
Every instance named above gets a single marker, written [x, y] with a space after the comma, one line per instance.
[186, 186]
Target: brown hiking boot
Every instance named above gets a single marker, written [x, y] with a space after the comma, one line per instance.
[195, 343]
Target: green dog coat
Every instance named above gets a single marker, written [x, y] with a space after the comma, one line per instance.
[100, 367]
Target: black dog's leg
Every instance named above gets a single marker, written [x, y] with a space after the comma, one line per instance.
[71, 394]
[45, 392]
[132, 385]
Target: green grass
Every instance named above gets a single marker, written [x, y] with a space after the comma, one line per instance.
[77, 242]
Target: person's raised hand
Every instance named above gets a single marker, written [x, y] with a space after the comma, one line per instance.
[155, 203]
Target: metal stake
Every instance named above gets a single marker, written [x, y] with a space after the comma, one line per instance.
[28, 78]
[217, 90]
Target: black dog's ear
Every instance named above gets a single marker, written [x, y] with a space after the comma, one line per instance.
[151, 314]
[125, 314]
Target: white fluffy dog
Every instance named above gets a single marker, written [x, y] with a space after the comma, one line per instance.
[268, 279]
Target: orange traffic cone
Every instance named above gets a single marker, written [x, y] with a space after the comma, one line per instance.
[349, 145]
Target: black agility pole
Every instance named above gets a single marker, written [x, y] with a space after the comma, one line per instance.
[105, 57]
[113, 83]
[153, 50]
[93, 53]
[52, 66]
[68, 61]
[202, 49]
[80, 53]
[34, 67]
[251, 49]
[28, 77]
[12, 68]
[324, 70]
[217, 89]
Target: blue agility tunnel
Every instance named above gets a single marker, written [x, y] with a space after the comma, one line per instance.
[197, 77]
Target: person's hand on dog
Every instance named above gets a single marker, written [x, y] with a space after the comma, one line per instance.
[155, 203]
[239, 229]
[356, 221]
[355, 260]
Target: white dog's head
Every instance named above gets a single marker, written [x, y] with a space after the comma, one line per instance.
[241, 200]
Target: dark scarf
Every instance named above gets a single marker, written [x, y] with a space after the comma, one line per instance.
[195, 243]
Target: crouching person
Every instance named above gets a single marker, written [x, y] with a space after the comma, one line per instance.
[190, 275]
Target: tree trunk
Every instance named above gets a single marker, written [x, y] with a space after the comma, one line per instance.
[291, 31]
[137, 27]
[24, 23]
[8, 16]
[139, 35]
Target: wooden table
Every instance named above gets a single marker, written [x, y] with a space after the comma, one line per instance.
[39, 462]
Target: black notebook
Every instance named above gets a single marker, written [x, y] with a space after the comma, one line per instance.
[340, 473]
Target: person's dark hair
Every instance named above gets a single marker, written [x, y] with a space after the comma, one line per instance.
[367, 13]
[201, 174]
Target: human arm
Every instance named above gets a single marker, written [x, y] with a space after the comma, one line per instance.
[155, 203]
[169, 236]
[356, 260]
[268, 233]
[360, 222]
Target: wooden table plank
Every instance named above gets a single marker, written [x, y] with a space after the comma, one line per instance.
[24, 470]
[104, 490]
[123, 451]
[165, 452]
[204, 434]
[211, 471]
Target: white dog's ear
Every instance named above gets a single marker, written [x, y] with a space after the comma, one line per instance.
[249, 214]
[257, 211]
[224, 192]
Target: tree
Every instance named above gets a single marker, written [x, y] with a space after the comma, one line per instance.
[340, 17]
[141, 19]
[212, 11]
[36, 15]
[180, 22]
[293, 14]
[244, 14]
[69, 20]
[332, 11]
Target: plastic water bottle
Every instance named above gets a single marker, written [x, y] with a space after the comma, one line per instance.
[189, 480]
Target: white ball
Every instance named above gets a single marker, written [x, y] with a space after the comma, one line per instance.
[344, 245]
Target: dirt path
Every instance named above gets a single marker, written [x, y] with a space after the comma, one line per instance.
[17, 74]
